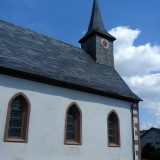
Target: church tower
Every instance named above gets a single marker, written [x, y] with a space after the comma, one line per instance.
[97, 41]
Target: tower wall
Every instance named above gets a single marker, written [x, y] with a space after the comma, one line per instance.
[104, 56]
[90, 46]
[101, 55]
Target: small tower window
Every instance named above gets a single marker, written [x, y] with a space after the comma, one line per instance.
[73, 125]
[113, 130]
[17, 119]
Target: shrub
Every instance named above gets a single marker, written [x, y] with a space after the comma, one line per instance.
[150, 153]
[147, 150]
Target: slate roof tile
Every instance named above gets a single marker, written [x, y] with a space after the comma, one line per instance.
[25, 50]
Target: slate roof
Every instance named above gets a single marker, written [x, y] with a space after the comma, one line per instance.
[144, 132]
[96, 24]
[32, 53]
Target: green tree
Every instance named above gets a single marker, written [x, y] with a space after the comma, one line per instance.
[155, 155]
[147, 150]
[150, 153]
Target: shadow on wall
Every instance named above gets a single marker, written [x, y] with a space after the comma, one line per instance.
[22, 85]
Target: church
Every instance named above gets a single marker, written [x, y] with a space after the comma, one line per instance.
[61, 102]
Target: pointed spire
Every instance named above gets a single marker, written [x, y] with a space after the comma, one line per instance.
[96, 24]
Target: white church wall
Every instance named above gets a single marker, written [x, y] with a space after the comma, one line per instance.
[47, 124]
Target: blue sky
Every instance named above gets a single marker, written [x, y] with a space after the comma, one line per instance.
[61, 18]
[138, 22]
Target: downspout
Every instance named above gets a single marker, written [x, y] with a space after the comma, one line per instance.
[133, 129]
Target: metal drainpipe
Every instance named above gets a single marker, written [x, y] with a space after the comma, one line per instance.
[133, 129]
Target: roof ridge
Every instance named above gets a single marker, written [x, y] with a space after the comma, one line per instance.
[96, 25]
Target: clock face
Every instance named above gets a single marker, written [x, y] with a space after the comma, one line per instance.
[104, 43]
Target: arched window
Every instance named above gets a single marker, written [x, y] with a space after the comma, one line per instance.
[113, 130]
[73, 127]
[17, 121]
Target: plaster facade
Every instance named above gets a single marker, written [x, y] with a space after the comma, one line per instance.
[47, 124]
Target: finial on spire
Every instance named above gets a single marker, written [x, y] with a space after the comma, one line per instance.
[96, 24]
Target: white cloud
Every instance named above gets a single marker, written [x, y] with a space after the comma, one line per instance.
[146, 125]
[135, 64]
[147, 86]
[125, 36]
[136, 60]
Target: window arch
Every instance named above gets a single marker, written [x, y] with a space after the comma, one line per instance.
[73, 125]
[113, 129]
[17, 121]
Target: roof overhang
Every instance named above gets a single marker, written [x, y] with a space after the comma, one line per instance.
[95, 32]
[41, 79]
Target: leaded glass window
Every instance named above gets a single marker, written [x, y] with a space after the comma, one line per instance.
[113, 129]
[71, 119]
[17, 121]
[73, 125]
[15, 124]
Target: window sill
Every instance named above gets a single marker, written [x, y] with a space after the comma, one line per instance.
[113, 145]
[72, 143]
[18, 140]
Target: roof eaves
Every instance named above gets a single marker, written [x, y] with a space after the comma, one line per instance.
[94, 32]
[156, 129]
[42, 79]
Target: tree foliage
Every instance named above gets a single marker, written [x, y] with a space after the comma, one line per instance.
[150, 153]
